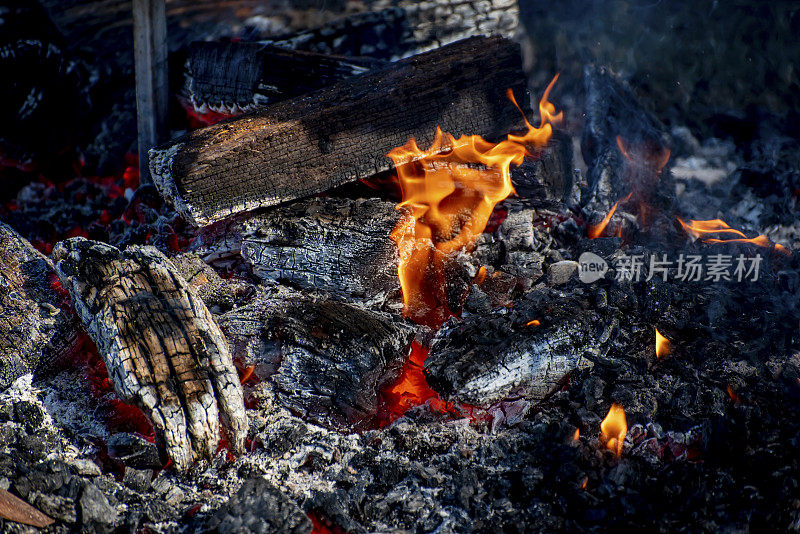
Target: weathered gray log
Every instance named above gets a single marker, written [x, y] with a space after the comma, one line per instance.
[395, 29]
[160, 343]
[36, 333]
[631, 165]
[487, 358]
[333, 244]
[233, 77]
[327, 359]
[336, 135]
[152, 85]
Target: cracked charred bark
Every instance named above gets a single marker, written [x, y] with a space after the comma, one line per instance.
[160, 343]
[484, 359]
[333, 244]
[327, 359]
[310, 144]
[35, 331]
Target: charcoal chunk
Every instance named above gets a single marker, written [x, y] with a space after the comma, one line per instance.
[261, 508]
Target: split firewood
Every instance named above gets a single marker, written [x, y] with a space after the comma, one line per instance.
[333, 244]
[36, 333]
[327, 359]
[525, 352]
[310, 144]
[232, 77]
[160, 343]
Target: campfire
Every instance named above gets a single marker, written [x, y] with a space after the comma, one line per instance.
[392, 266]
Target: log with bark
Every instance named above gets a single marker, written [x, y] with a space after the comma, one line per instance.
[233, 77]
[487, 358]
[338, 245]
[339, 134]
[36, 332]
[160, 343]
[327, 359]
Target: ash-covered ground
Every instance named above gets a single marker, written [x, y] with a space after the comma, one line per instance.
[713, 427]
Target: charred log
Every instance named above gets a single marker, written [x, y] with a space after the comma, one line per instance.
[336, 245]
[231, 77]
[218, 294]
[35, 331]
[549, 174]
[400, 28]
[336, 135]
[624, 145]
[326, 359]
[487, 358]
[160, 343]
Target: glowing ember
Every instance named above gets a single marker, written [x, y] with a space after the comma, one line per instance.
[535, 322]
[662, 345]
[596, 230]
[412, 389]
[614, 428]
[699, 229]
[450, 190]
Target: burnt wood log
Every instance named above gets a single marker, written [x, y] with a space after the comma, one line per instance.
[488, 358]
[333, 244]
[623, 144]
[160, 343]
[395, 29]
[233, 77]
[339, 134]
[36, 333]
[327, 359]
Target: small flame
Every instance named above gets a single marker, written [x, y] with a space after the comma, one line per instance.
[535, 322]
[699, 229]
[614, 428]
[596, 230]
[450, 191]
[584, 483]
[662, 345]
[577, 435]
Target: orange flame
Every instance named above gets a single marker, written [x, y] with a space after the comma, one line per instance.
[596, 230]
[534, 322]
[614, 428]
[450, 190]
[662, 345]
[698, 229]
[577, 435]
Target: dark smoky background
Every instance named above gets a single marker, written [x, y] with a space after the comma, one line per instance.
[699, 63]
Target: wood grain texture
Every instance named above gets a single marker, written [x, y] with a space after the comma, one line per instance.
[326, 359]
[488, 358]
[338, 245]
[15, 509]
[34, 332]
[313, 143]
[160, 343]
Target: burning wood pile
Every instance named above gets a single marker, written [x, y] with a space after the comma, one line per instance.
[364, 293]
